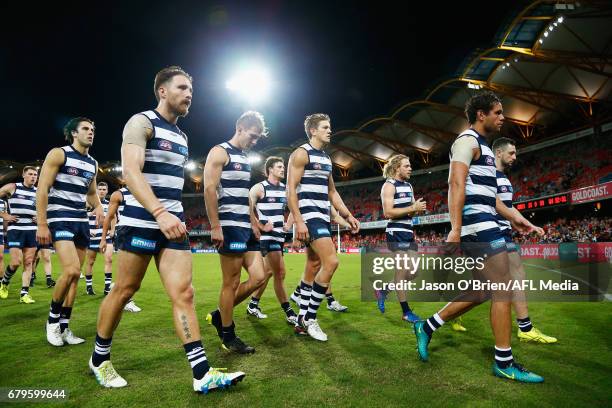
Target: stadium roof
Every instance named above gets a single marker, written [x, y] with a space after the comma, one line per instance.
[551, 63]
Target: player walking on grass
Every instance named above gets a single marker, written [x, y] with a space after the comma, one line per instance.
[115, 209]
[399, 206]
[67, 186]
[94, 246]
[505, 156]
[153, 157]
[473, 203]
[234, 230]
[310, 193]
[21, 231]
[270, 201]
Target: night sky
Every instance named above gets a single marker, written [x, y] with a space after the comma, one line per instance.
[353, 61]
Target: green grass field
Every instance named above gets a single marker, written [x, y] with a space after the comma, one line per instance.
[369, 360]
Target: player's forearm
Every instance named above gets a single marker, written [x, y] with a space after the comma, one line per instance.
[394, 213]
[293, 204]
[339, 205]
[456, 200]
[212, 205]
[42, 201]
[93, 200]
[141, 190]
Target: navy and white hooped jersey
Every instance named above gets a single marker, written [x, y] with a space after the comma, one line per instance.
[402, 198]
[96, 231]
[504, 192]
[312, 192]
[271, 208]
[2, 209]
[480, 190]
[166, 154]
[68, 195]
[124, 192]
[233, 190]
[22, 204]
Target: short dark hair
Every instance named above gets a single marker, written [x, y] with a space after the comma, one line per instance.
[102, 183]
[482, 101]
[26, 168]
[166, 75]
[501, 143]
[72, 126]
[270, 162]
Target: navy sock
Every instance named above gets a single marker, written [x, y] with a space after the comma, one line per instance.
[228, 333]
[305, 292]
[108, 279]
[432, 324]
[101, 350]
[405, 307]
[24, 290]
[65, 318]
[316, 297]
[54, 312]
[8, 274]
[197, 358]
[254, 303]
[287, 309]
[330, 298]
[524, 324]
[503, 357]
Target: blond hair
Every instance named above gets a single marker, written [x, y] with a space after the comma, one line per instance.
[251, 119]
[392, 165]
[312, 122]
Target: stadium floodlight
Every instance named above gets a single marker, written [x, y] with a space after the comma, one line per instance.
[540, 41]
[560, 19]
[117, 168]
[254, 158]
[191, 165]
[545, 33]
[252, 84]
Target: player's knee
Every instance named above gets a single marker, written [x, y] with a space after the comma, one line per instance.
[73, 272]
[280, 275]
[125, 292]
[332, 263]
[185, 296]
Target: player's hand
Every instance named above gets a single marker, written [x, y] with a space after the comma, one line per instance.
[43, 235]
[103, 245]
[286, 227]
[525, 227]
[9, 217]
[171, 226]
[34, 219]
[354, 223]
[99, 213]
[267, 227]
[453, 241]
[301, 232]
[216, 235]
[419, 206]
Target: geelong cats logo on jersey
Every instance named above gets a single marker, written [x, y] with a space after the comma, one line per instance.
[165, 145]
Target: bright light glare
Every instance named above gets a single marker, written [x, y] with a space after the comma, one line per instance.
[251, 84]
[254, 158]
[190, 165]
[117, 168]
